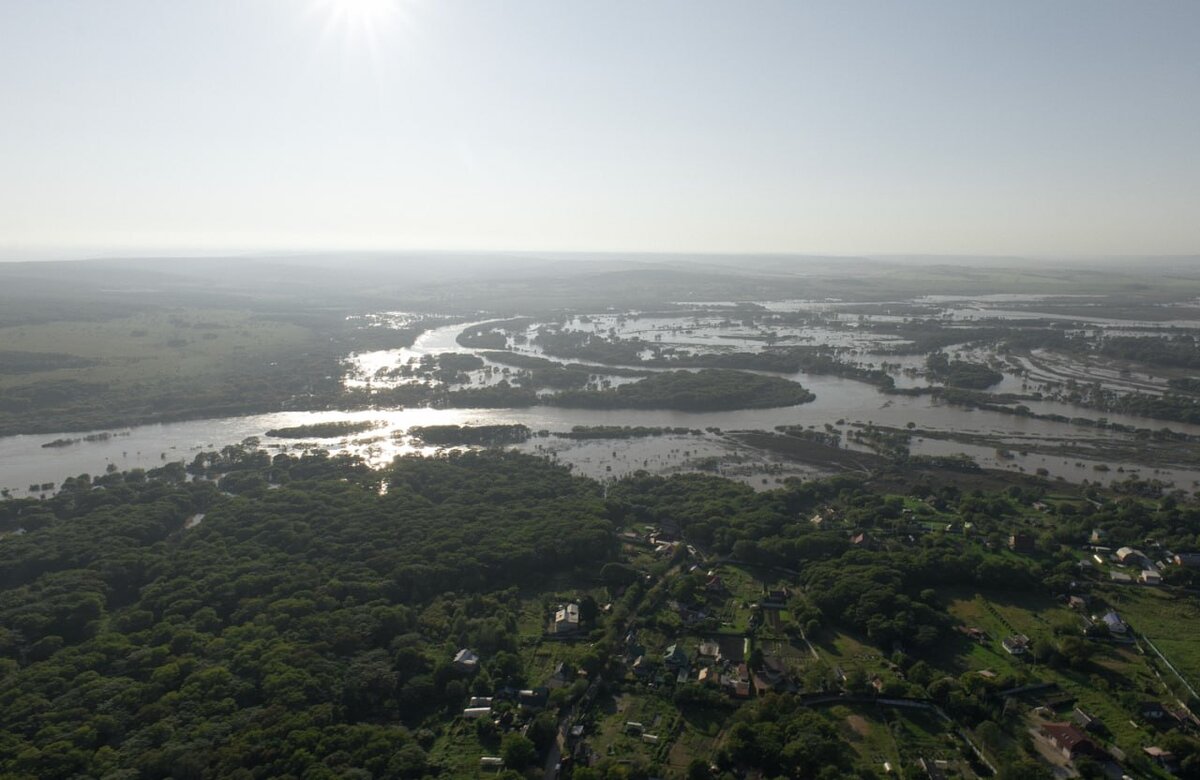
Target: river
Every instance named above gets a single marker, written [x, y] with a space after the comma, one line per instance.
[25, 462]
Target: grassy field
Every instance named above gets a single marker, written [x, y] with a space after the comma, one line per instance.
[458, 749]
[1170, 620]
[659, 717]
[157, 365]
[1114, 668]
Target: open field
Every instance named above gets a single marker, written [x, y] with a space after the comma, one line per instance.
[158, 365]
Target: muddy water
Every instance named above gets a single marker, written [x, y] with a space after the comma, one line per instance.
[23, 461]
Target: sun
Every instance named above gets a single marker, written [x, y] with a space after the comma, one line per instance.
[357, 18]
[359, 15]
[362, 31]
[361, 12]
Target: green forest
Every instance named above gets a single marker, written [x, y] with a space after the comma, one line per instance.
[256, 616]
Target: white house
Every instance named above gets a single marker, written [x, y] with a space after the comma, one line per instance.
[566, 619]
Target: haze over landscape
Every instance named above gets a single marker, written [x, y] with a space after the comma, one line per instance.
[431, 389]
[1063, 128]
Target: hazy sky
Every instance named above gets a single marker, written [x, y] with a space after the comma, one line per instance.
[1049, 126]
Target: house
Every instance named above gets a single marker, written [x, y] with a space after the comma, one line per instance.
[863, 540]
[563, 676]
[1163, 758]
[1120, 577]
[1017, 644]
[634, 727]
[533, 697]
[776, 598]
[1114, 623]
[1129, 555]
[1069, 740]
[1150, 577]
[566, 619]
[474, 713]
[1077, 602]
[1022, 543]
[710, 650]
[738, 682]
[707, 676]
[975, 634]
[715, 584]
[766, 681]
[676, 657]
[480, 701]
[491, 762]
[466, 661]
[1151, 710]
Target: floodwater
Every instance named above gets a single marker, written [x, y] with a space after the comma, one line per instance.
[25, 462]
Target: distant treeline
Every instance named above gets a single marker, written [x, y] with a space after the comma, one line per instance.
[624, 432]
[325, 430]
[465, 435]
[701, 391]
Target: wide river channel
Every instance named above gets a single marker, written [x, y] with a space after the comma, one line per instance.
[25, 462]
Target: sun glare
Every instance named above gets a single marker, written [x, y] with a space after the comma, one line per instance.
[356, 21]
[361, 30]
[361, 13]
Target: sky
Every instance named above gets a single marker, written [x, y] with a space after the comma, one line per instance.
[1064, 127]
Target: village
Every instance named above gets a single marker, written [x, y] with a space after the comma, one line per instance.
[689, 638]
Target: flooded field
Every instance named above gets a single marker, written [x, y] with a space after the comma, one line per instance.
[1047, 437]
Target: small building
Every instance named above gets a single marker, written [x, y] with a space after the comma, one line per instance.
[707, 676]
[738, 682]
[1115, 624]
[1069, 740]
[1164, 758]
[1150, 577]
[1129, 555]
[533, 697]
[562, 676]
[709, 649]
[475, 713]
[1120, 577]
[1022, 542]
[776, 597]
[491, 762]
[975, 634]
[480, 701]
[634, 727]
[1017, 644]
[466, 661]
[650, 739]
[566, 619]
[676, 657]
